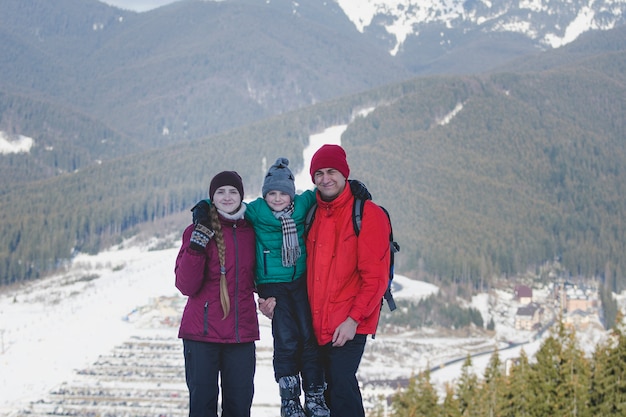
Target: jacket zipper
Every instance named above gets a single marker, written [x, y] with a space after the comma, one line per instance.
[265, 254]
[236, 283]
[206, 318]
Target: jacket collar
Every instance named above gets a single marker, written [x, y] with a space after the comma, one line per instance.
[342, 199]
[234, 218]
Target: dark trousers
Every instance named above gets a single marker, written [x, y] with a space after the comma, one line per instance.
[343, 395]
[295, 348]
[234, 363]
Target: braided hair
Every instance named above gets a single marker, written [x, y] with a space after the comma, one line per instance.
[221, 253]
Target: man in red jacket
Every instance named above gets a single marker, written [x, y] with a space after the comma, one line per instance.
[346, 277]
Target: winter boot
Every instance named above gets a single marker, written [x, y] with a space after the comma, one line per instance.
[314, 402]
[290, 396]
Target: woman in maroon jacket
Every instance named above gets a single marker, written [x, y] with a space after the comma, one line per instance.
[219, 327]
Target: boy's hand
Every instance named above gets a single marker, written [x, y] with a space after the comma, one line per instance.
[267, 306]
[202, 232]
[200, 213]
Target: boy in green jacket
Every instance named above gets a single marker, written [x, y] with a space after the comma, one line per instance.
[278, 219]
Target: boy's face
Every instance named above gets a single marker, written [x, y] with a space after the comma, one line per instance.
[277, 200]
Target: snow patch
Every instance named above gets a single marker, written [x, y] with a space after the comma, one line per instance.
[331, 136]
[582, 23]
[405, 14]
[448, 117]
[15, 143]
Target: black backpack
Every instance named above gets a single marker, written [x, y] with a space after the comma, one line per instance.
[357, 214]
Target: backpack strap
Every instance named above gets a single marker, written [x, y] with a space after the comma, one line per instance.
[357, 214]
[308, 220]
[393, 249]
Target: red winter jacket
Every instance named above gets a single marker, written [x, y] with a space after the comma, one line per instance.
[346, 276]
[198, 277]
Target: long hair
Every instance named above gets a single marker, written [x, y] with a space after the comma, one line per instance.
[221, 253]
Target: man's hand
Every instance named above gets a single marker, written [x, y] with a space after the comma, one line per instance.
[344, 332]
[267, 306]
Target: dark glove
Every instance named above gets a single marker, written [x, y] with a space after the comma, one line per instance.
[359, 190]
[202, 232]
[200, 212]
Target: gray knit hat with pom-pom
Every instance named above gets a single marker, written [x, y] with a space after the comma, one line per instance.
[280, 178]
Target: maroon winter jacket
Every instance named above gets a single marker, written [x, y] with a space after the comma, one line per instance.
[198, 277]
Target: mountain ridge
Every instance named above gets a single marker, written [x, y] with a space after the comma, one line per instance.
[492, 191]
[187, 70]
[483, 175]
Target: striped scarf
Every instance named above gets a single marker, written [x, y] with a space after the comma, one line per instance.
[291, 249]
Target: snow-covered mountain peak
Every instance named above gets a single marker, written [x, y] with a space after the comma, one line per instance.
[552, 23]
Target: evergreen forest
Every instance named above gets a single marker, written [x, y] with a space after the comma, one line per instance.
[485, 175]
[560, 381]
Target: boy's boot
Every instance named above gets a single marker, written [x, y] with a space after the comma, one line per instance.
[314, 402]
[290, 396]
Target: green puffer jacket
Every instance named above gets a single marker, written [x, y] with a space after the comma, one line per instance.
[269, 239]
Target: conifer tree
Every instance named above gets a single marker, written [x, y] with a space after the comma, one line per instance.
[450, 406]
[517, 395]
[608, 387]
[493, 387]
[468, 391]
[560, 380]
[418, 400]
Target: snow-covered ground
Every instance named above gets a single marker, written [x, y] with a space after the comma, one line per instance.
[101, 337]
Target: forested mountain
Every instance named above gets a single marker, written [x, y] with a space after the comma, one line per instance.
[189, 69]
[66, 140]
[197, 68]
[483, 175]
[506, 169]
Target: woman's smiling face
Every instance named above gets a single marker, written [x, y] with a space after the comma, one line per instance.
[227, 199]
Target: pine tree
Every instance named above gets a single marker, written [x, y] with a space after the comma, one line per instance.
[418, 400]
[493, 387]
[468, 391]
[608, 387]
[450, 406]
[518, 395]
[560, 379]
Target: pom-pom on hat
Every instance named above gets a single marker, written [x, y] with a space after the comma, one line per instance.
[279, 178]
[226, 178]
[330, 156]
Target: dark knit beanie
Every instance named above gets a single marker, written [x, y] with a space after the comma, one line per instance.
[226, 178]
[330, 156]
[280, 178]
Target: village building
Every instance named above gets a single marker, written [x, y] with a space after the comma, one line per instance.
[528, 317]
[523, 294]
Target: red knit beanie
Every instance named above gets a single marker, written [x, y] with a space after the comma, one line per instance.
[226, 178]
[330, 156]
